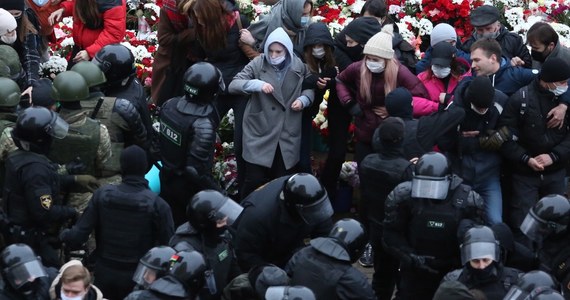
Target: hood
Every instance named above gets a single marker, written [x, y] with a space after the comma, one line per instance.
[168, 285]
[330, 247]
[399, 103]
[362, 29]
[452, 290]
[318, 33]
[55, 286]
[279, 36]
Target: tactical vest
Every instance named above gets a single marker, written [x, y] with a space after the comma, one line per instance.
[127, 224]
[7, 120]
[319, 273]
[175, 135]
[15, 204]
[433, 226]
[81, 142]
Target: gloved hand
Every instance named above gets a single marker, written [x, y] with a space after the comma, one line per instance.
[355, 110]
[63, 234]
[495, 139]
[75, 167]
[422, 262]
[87, 181]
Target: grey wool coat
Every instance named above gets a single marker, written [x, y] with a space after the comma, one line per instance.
[269, 120]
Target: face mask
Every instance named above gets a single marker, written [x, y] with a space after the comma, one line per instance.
[355, 53]
[277, 60]
[9, 39]
[64, 297]
[319, 52]
[474, 108]
[440, 72]
[304, 21]
[539, 56]
[40, 2]
[489, 35]
[559, 90]
[375, 66]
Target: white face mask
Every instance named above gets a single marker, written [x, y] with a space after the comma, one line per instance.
[559, 90]
[375, 66]
[440, 72]
[474, 108]
[319, 52]
[9, 39]
[277, 60]
[40, 2]
[64, 297]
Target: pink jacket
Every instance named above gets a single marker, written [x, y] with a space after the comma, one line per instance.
[434, 86]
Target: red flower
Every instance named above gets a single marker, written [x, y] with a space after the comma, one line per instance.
[350, 2]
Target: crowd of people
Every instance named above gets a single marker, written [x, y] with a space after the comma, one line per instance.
[462, 157]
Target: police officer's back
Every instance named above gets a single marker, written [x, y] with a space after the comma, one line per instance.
[187, 135]
[128, 220]
[420, 227]
[530, 282]
[278, 217]
[9, 99]
[326, 265]
[32, 185]
[209, 213]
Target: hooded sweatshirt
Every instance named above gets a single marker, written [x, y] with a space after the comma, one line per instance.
[93, 294]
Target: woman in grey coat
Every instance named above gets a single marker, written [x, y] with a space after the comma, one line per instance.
[272, 118]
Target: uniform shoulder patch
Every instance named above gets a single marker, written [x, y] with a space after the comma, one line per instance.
[46, 201]
[535, 71]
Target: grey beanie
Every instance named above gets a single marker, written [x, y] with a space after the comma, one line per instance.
[442, 32]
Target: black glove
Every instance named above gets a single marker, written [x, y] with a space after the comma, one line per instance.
[63, 234]
[87, 181]
[422, 262]
[355, 110]
[75, 167]
[495, 139]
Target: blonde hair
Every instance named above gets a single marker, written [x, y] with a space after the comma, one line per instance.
[390, 78]
[75, 273]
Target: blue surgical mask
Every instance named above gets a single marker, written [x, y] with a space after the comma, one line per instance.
[559, 90]
[304, 21]
[40, 2]
[375, 66]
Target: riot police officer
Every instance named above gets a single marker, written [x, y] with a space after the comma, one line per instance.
[546, 225]
[289, 292]
[184, 279]
[152, 266]
[24, 275]
[482, 268]
[529, 282]
[326, 265]
[129, 219]
[120, 116]
[9, 99]
[278, 217]
[208, 214]
[421, 222]
[32, 186]
[187, 134]
[118, 64]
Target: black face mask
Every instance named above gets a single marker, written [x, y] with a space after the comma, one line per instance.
[484, 275]
[355, 53]
[539, 56]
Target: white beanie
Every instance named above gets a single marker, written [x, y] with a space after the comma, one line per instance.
[442, 32]
[7, 22]
[380, 44]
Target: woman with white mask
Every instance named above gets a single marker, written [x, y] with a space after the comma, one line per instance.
[441, 79]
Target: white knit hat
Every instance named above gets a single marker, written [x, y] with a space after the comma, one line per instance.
[442, 32]
[7, 22]
[380, 44]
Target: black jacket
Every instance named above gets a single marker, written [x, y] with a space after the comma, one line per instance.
[511, 45]
[266, 233]
[495, 283]
[529, 126]
[165, 288]
[326, 269]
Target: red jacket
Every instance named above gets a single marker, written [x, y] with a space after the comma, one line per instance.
[114, 15]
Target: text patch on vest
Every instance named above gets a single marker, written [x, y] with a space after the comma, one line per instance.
[436, 224]
[171, 134]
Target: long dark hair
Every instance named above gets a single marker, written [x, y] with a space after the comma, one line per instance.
[212, 13]
[88, 12]
[313, 63]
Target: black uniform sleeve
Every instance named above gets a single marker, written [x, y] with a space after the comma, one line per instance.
[252, 238]
[79, 233]
[510, 118]
[200, 153]
[396, 221]
[434, 126]
[165, 222]
[137, 133]
[354, 285]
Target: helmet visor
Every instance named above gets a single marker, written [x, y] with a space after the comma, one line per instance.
[23, 273]
[58, 127]
[230, 210]
[534, 228]
[317, 212]
[478, 250]
[430, 187]
[144, 275]
[516, 293]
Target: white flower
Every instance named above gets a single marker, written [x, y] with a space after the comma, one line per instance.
[425, 26]
[68, 21]
[514, 16]
[325, 125]
[68, 41]
[323, 106]
[154, 7]
[357, 6]
[394, 9]
[54, 65]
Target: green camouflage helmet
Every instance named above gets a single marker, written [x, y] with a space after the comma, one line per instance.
[9, 92]
[91, 72]
[69, 86]
[10, 58]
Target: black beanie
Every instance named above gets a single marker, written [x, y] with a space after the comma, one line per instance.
[399, 103]
[12, 5]
[480, 92]
[41, 93]
[362, 29]
[133, 161]
[554, 69]
[390, 133]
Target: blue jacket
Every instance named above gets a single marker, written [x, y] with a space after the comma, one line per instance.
[509, 79]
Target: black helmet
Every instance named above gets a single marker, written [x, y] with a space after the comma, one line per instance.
[304, 197]
[351, 234]
[188, 267]
[35, 128]
[479, 242]
[208, 207]
[545, 294]
[117, 62]
[547, 217]
[529, 282]
[153, 265]
[21, 266]
[289, 293]
[431, 177]
[203, 82]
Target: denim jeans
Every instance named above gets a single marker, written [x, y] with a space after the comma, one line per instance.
[490, 189]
